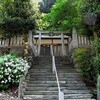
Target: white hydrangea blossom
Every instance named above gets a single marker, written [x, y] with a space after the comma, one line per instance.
[9, 78]
[2, 81]
[12, 68]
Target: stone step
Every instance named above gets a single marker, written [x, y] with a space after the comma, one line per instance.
[53, 79]
[55, 84]
[40, 70]
[49, 67]
[50, 70]
[56, 92]
[51, 92]
[62, 59]
[50, 62]
[64, 66]
[43, 61]
[55, 99]
[42, 83]
[28, 98]
[65, 74]
[53, 76]
[30, 86]
[61, 82]
[79, 99]
[63, 62]
[52, 97]
[41, 65]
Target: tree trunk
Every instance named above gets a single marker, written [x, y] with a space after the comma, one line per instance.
[26, 46]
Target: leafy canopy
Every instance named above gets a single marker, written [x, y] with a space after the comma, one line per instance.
[64, 15]
[17, 16]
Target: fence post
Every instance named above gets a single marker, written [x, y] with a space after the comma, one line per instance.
[98, 88]
[63, 45]
[20, 89]
[39, 44]
[74, 38]
[61, 95]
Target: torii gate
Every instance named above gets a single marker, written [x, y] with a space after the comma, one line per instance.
[17, 41]
[37, 52]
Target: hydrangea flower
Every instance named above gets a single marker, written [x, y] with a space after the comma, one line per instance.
[11, 69]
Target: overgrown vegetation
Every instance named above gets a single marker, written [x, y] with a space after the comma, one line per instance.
[83, 57]
[66, 14]
[89, 61]
[12, 68]
[96, 57]
[16, 17]
[60, 17]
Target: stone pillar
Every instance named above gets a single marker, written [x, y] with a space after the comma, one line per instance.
[74, 38]
[63, 46]
[39, 44]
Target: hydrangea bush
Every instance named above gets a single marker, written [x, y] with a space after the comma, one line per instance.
[12, 68]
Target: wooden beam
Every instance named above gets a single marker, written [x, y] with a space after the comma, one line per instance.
[49, 32]
[39, 44]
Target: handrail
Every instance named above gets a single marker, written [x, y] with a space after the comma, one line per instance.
[54, 70]
[21, 85]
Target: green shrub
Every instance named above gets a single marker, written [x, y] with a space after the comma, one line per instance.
[96, 58]
[82, 56]
[96, 46]
[96, 66]
[12, 68]
[89, 60]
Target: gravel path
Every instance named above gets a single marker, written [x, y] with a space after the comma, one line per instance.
[4, 96]
[8, 95]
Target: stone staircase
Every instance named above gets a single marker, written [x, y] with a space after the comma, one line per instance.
[42, 83]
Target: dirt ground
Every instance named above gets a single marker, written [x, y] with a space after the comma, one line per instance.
[11, 94]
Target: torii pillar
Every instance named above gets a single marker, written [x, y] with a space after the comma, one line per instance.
[63, 45]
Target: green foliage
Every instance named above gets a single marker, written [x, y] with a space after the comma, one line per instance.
[96, 46]
[17, 16]
[91, 16]
[61, 17]
[96, 58]
[66, 14]
[96, 65]
[12, 68]
[89, 60]
[83, 57]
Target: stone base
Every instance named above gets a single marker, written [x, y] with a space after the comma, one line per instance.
[17, 50]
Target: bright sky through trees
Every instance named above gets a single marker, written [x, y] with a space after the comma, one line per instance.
[36, 1]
